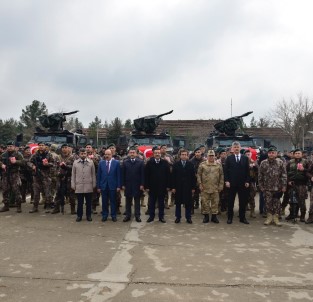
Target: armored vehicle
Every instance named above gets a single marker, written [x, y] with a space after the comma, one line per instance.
[53, 132]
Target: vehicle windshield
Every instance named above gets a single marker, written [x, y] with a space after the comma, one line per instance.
[243, 143]
[151, 140]
[50, 138]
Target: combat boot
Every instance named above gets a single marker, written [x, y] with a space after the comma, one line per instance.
[73, 212]
[5, 208]
[269, 219]
[302, 216]
[206, 218]
[56, 209]
[34, 209]
[214, 218]
[276, 220]
[252, 213]
[283, 211]
[310, 219]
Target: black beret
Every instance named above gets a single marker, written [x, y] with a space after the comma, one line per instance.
[48, 144]
[64, 145]
[247, 151]
[26, 147]
[155, 148]
[222, 150]
[197, 149]
[111, 145]
[11, 143]
[272, 148]
[297, 150]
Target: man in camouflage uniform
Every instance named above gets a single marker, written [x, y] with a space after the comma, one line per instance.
[297, 180]
[222, 207]
[41, 163]
[56, 161]
[210, 179]
[92, 155]
[310, 177]
[196, 161]
[170, 160]
[26, 174]
[252, 187]
[10, 163]
[272, 182]
[64, 172]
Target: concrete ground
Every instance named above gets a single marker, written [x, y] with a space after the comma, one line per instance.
[46, 257]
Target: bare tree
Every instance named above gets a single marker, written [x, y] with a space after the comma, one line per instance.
[295, 117]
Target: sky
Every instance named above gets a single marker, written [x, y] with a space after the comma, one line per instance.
[130, 58]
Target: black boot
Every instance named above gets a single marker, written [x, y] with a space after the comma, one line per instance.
[206, 218]
[214, 218]
[5, 208]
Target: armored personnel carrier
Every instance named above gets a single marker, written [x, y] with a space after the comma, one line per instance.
[144, 134]
[230, 130]
[53, 132]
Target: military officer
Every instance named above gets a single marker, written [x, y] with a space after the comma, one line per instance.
[210, 179]
[272, 182]
[10, 162]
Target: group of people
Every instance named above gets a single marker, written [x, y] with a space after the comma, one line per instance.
[214, 178]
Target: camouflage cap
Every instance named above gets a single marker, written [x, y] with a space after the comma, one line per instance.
[211, 153]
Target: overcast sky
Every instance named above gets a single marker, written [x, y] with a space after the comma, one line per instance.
[130, 58]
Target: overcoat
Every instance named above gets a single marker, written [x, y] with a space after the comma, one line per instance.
[183, 180]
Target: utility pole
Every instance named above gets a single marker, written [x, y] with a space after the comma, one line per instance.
[231, 107]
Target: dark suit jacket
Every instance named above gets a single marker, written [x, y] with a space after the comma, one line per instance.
[183, 181]
[133, 177]
[236, 173]
[157, 176]
[111, 179]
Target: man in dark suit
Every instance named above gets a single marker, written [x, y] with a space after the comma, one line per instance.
[133, 182]
[109, 183]
[183, 184]
[237, 180]
[157, 182]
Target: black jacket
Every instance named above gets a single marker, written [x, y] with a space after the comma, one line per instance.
[157, 176]
[237, 173]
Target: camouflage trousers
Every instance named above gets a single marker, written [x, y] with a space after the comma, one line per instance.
[64, 191]
[272, 202]
[311, 202]
[167, 198]
[41, 184]
[209, 203]
[301, 193]
[251, 195]
[196, 196]
[223, 199]
[11, 186]
[26, 187]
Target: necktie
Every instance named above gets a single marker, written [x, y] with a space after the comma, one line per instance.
[157, 161]
[133, 160]
[108, 166]
[184, 163]
[237, 158]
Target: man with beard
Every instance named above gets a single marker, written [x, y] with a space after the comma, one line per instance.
[26, 174]
[92, 155]
[196, 161]
[272, 182]
[41, 163]
[64, 181]
[83, 183]
[10, 162]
